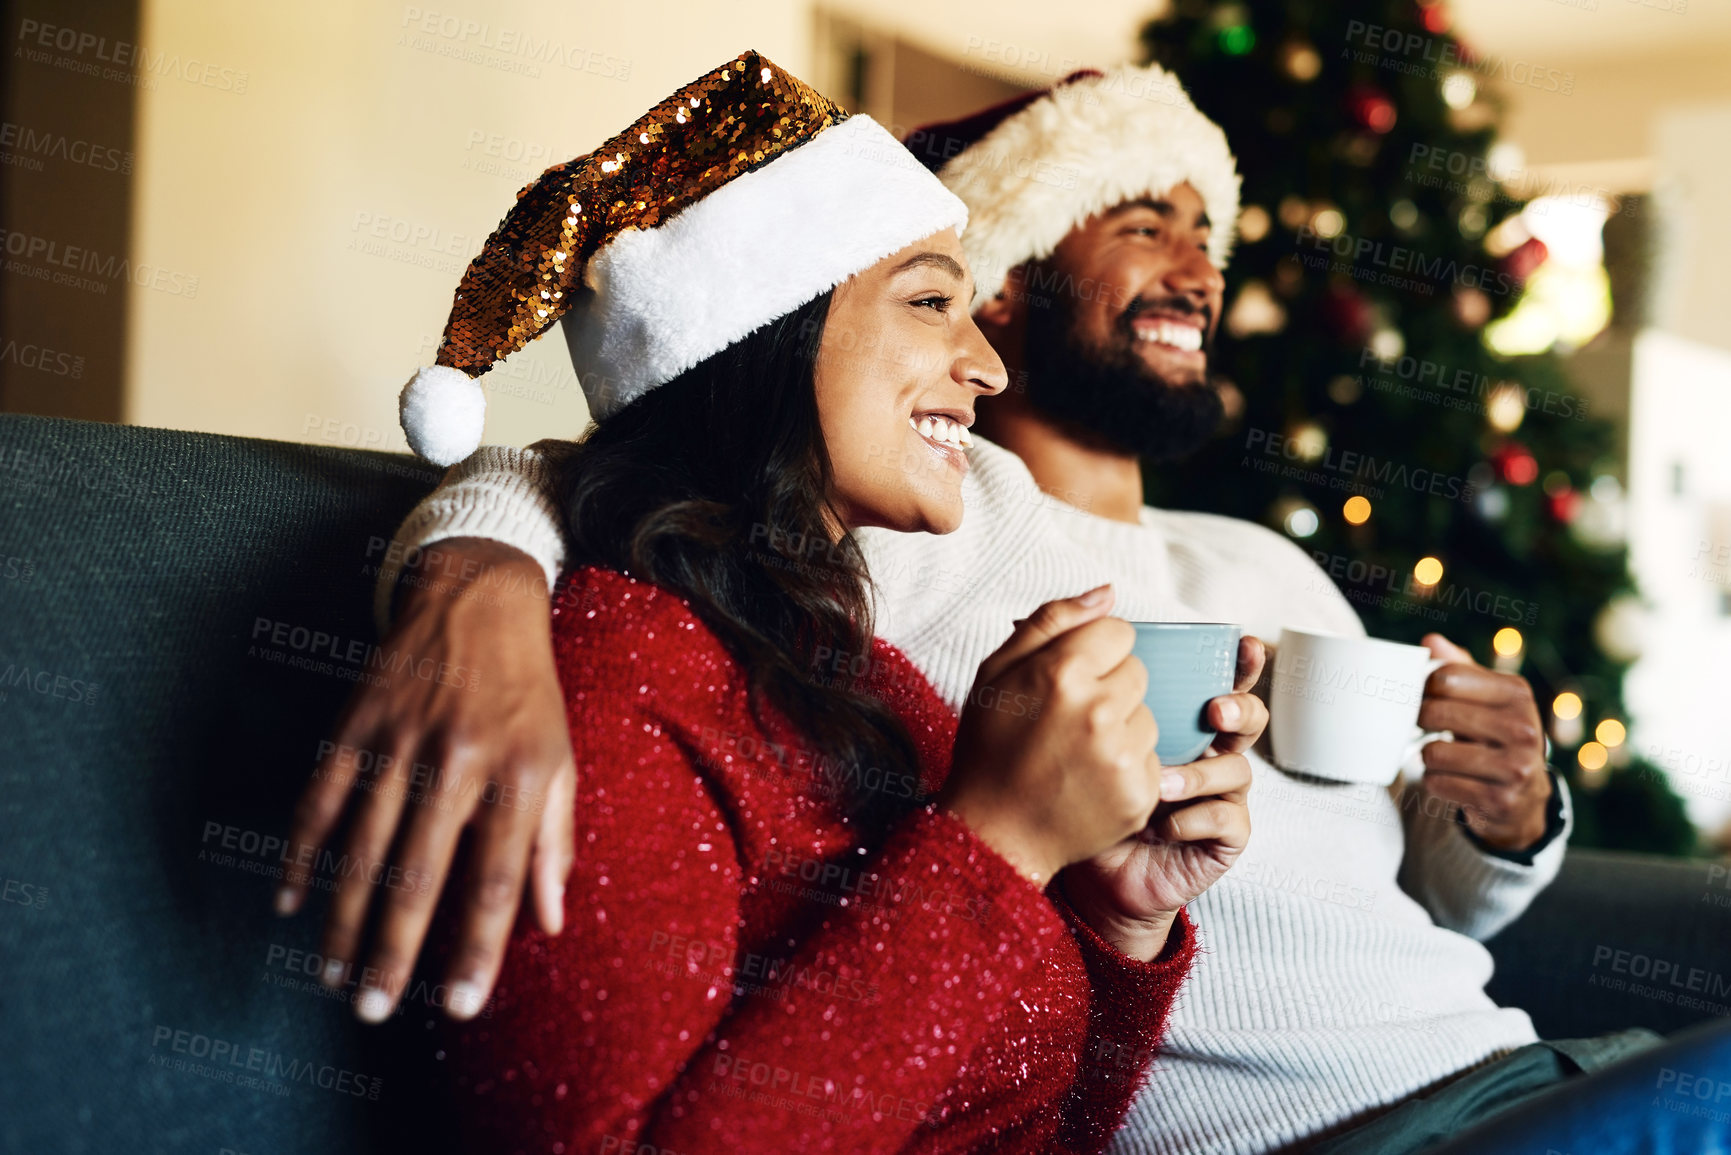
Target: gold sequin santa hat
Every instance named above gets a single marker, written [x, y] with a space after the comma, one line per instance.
[732, 202]
[1038, 165]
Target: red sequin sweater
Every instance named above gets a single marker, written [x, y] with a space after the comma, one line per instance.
[737, 974]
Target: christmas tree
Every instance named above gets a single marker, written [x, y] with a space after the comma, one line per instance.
[1444, 484]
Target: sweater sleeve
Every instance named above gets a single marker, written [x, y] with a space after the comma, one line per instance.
[1129, 1003]
[627, 1029]
[1467, 887]
[952, 934]
[497, 492]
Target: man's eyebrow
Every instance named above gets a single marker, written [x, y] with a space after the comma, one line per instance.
[1161, 207]
[936, 260]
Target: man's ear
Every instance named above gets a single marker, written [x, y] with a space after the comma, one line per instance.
[996, 313]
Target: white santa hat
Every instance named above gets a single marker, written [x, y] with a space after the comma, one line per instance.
[1038, 165]
[734, 201]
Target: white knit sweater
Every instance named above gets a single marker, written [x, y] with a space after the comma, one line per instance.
[1342, 969]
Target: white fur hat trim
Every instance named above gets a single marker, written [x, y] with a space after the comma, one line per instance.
[442, 411]
[1081, 149]
[753, 250]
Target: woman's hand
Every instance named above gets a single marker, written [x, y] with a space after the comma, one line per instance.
[1054, 758]
[417, 759]
[1132, 892]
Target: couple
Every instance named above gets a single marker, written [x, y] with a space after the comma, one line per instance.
[757, 947]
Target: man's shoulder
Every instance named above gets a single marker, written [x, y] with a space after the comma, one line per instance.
[1256, 574]
[1230, 538]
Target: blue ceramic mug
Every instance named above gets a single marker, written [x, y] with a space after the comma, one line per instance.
[1189, 665]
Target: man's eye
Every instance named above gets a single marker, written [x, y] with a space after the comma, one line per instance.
[1147, 230]
[940, 303]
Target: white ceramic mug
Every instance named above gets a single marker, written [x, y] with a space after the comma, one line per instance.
[1346, 709]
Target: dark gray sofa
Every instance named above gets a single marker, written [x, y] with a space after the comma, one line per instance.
[180, 619]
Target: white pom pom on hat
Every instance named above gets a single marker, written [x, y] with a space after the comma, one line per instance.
[442, 411]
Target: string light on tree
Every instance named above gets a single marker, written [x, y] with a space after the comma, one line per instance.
[1255, 311]
[1253, 224]
[1328, 223]
[1429, 571]
[1309, 441]
[1507, 645]
[1371, 108]
[1300, 60]
[1472, 307]
[1232, 29]
[1459, 89]
[1566, 726]
[1297, 516]
[1356, 510]
[1506, 407]
[1387, 344]
[1611, 734]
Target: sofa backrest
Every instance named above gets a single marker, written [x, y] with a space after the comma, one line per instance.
[181, 618]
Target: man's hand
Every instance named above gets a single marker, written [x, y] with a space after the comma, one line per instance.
[1495, 767]
[1131, 894]
[482, 742]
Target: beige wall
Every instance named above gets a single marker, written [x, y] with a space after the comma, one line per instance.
[1692, 198]
[355, 118]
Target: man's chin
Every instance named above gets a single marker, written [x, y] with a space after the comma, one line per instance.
[1174, 368]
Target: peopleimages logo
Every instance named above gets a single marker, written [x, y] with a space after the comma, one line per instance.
[27, 147]
[1397, 266]
[502, 47]
[1419, 55]
[229, 1062]
[1347, 469]
[93, 55]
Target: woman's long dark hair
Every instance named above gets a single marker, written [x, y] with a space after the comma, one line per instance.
[714, 485]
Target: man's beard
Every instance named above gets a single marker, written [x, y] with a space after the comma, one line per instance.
[1109, 395]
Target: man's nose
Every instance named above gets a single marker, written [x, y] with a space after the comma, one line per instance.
[1193, 274]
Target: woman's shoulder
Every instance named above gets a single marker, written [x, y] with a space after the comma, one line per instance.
[615, 620]
[903, 687]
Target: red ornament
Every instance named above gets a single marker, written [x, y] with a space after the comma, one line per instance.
[1565, 504]
[1515, 464]
[1525, 259]
[1346, 312]
[1370, 108]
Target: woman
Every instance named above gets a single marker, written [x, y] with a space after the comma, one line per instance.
[809, 909]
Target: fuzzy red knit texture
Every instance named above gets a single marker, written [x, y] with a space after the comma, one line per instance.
[739, 974]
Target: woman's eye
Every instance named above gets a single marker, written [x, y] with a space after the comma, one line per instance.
[940, 303]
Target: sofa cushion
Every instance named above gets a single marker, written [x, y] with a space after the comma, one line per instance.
[183, 616]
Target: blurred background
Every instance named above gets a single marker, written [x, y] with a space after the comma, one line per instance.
[1479, 240]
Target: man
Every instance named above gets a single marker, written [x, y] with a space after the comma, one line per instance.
[1344, 971]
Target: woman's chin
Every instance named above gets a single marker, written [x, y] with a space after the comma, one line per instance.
[938, 518]
[929, 513]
